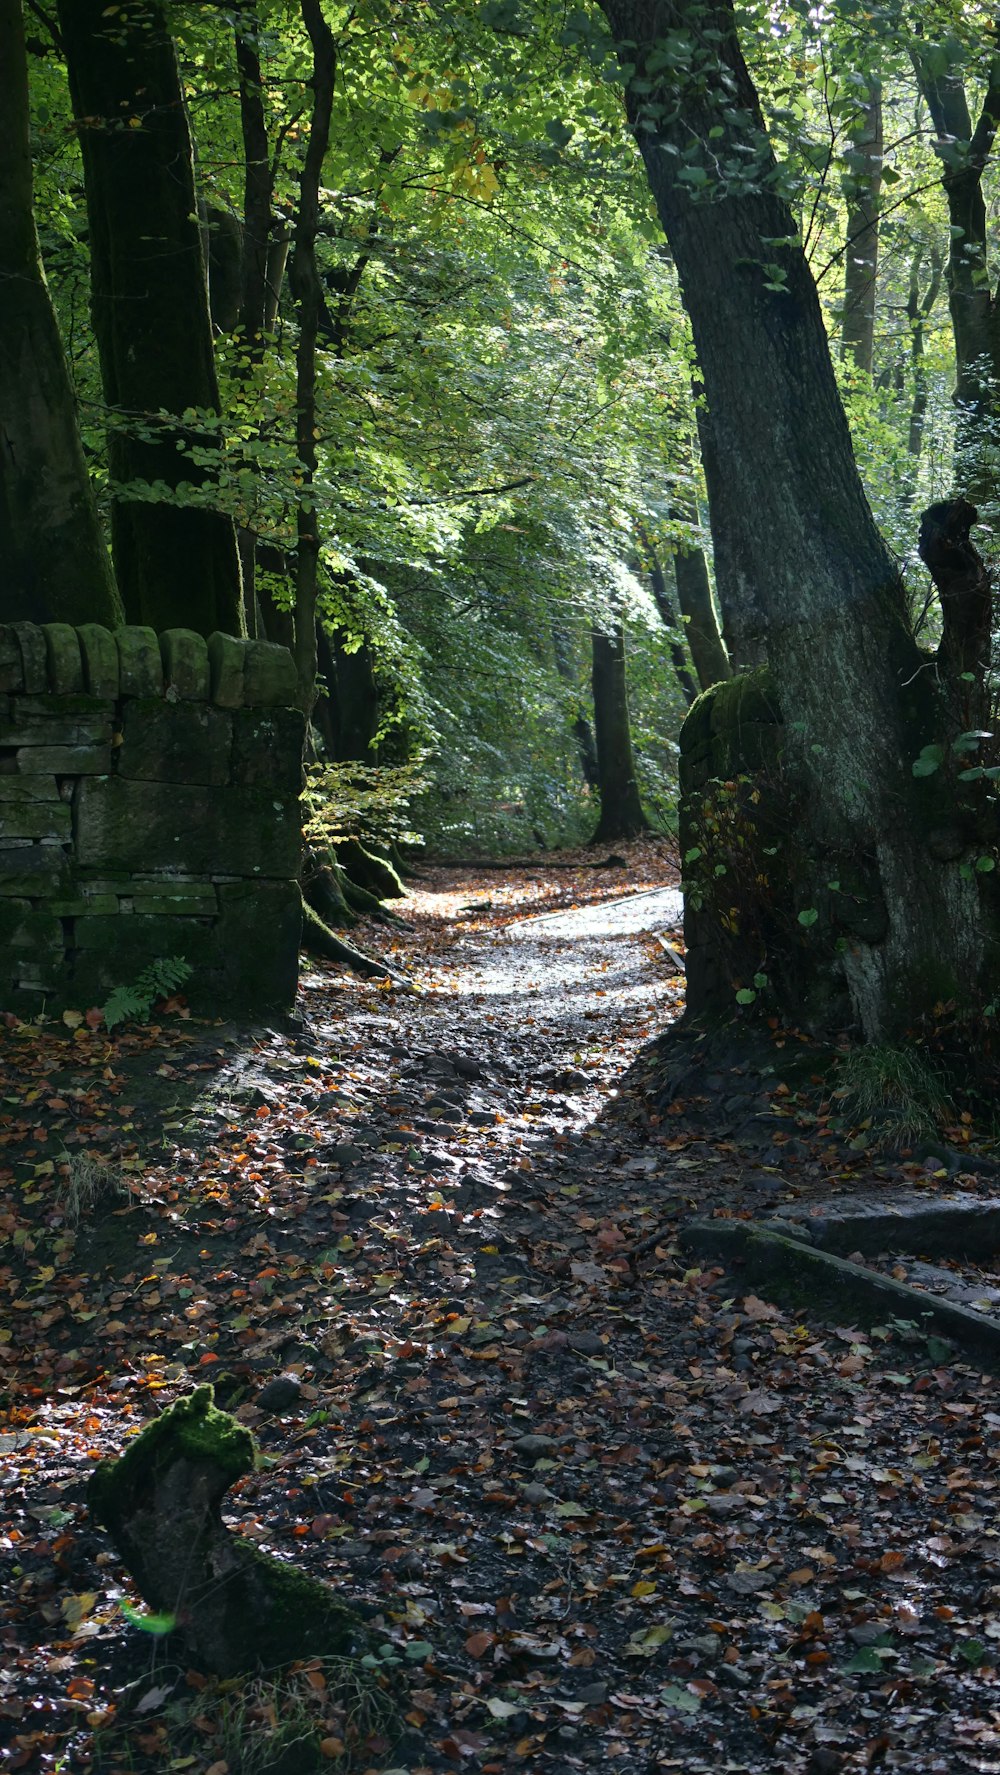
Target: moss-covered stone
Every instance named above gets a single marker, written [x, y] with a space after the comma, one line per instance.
[28, 786]
[100, 659]
[270, 680]
[34, 657]
[226, 660]
[188, 830]
[267, 748]
[185, 665]
[65, 665]
[164, 742]
[140, 668]
[236, 1608]
[34, 819]
[11, 663]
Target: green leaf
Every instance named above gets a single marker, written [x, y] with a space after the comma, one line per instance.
[745, 996]
[674, 1696]
[558, 132]
[148, 1623]
[866, 1661]
[972, 1650]
[419, 1649]
[930, 760]
[985, 865]
[809, 916]
[693, 854]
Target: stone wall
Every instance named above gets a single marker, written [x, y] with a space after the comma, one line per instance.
[149, 808]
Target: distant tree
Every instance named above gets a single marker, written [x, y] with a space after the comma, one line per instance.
[621, 815]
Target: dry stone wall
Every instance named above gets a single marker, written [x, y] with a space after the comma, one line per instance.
[149, 808]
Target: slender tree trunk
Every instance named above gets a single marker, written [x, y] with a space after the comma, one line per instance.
[800, 564]
[177, 564]
[701, 625]
[258, 186]
[583, 733]
[308, 293]
[964, 152]
[863, 190]
[621, 809]
[668, 617]
[919, 306]
[54, 565]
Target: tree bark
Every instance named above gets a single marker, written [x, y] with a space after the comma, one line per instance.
[583, 733]
[54, 564]
[621, 808]
[176, 560]
[668, 616]
[863, 190]
[919, 306]
[799, 561]
[963, 151]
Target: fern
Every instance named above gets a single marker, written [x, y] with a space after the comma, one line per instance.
[159, 980]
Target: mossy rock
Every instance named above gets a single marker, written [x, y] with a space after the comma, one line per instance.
[235, 1608]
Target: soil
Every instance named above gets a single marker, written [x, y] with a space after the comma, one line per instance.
[600, 1509]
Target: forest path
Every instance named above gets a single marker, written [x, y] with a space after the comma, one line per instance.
[605, 1510]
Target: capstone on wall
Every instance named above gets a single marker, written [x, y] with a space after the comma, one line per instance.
[149, 808]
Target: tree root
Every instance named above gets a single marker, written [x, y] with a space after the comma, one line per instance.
[318, 938]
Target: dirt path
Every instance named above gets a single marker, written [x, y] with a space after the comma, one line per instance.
[604, 1511]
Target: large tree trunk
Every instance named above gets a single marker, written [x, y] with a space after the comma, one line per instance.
[177, 564]
[863, 189]
[621, 809]
[54, 565]
[801, 568]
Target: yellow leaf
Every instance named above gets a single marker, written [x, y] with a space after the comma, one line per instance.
[76, 1608]
[643, 1588]
[72, 1019]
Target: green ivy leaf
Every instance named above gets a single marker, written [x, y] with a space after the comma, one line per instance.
[931, 759]
[745, 996]
[809, 916]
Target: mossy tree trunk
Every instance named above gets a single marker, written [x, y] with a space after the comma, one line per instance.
[176, 560]
[802, 571]
[54, 564]
[621, 809]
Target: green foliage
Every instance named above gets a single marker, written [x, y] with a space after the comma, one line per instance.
[355, 800]
[896, 1092]
[159, 980]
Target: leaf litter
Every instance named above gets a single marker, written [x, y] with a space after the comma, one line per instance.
[603, 1510]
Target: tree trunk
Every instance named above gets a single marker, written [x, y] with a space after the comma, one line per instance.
[177, 564]
[54, 565]
[799, 562]
[308, 293]
[668, 617]
[975, 316]
[701, 625]
[583, 733]
[621, 809]
[919, 306]
[863, 190]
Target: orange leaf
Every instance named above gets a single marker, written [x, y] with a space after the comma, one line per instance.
[478, 1643]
